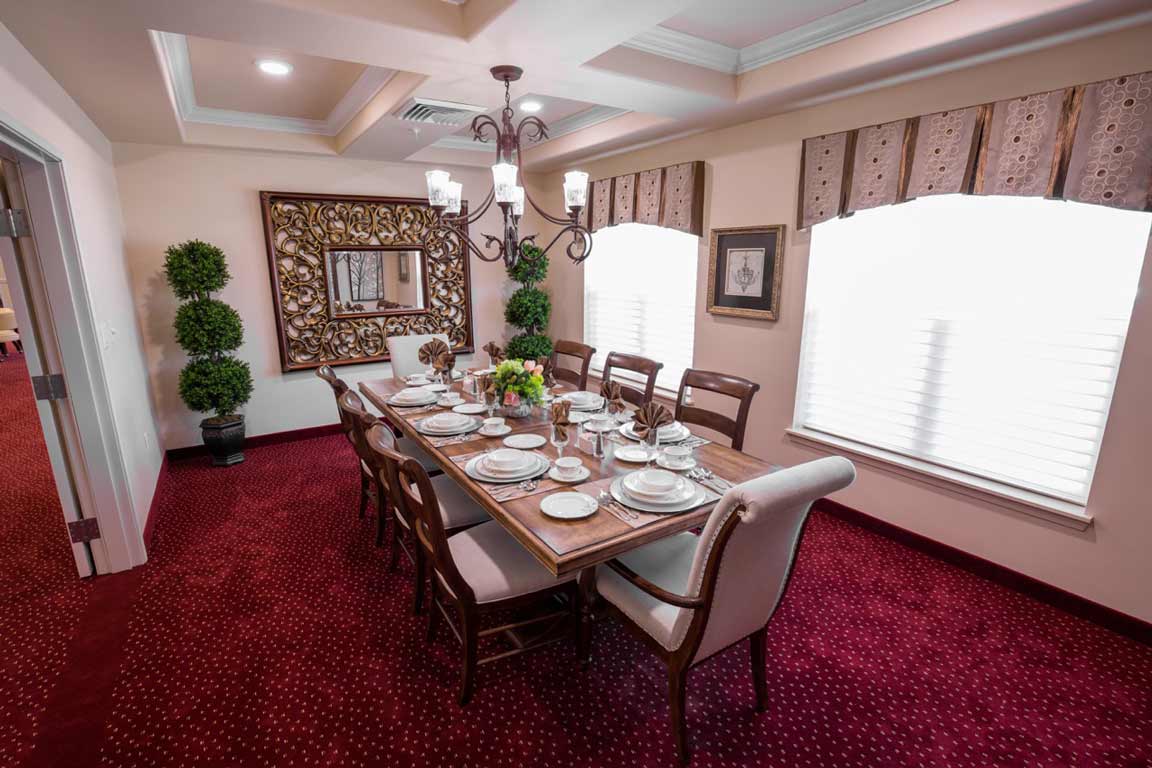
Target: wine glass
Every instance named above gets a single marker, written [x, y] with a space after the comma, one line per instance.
[651, 443]
[559, 442]
[490, 401]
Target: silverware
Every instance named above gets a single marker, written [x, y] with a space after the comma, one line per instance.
[608, 502]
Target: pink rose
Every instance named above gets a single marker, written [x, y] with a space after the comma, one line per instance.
[511, 399]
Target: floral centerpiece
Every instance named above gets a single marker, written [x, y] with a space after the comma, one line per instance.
[519, 385]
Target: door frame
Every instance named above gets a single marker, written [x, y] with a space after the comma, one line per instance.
[99, 474]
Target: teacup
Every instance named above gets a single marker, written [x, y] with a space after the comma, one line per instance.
[678, 455]
[451, 398]
[494, 424]
[569, 466]
[417, 380]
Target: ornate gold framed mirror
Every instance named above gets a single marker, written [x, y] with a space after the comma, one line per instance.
[348, 271]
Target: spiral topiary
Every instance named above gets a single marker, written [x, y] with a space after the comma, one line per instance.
[529, 308]
[207, 329]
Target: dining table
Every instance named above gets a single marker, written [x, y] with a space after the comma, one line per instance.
[564, 547]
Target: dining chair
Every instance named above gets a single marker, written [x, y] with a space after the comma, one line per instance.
[9, 331]
[721, 383]
[480, 572]
[404, 352]
[690, 597]
[339, 387]
[636, 364]
[582, 354]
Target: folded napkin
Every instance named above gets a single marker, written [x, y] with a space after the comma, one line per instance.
[495, 353]
[650, 416]
[548, 374]
[430, 351]
[445, 361]
[483, 383]
[614, 396]
[560, 423]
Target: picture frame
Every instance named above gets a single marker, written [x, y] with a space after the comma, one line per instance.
[745, 271]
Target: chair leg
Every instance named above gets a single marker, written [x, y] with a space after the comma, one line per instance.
[433, 609]
[363, 493]
[469, 635]
[420, 578]
[759, 641]
[394, 542]
[383, 513]
[677, 682]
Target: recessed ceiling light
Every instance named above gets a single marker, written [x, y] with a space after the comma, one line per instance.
[274, 67]
[530, 106]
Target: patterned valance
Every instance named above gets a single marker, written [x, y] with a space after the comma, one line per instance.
[1089, 143]
[670, 197]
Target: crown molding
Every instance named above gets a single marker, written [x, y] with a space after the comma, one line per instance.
[679, 46]
[583, 119]
[177, 66]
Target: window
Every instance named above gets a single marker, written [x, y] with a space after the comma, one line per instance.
[640, 297]
[982, 334]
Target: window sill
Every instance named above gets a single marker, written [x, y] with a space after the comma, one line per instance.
[1060, 512]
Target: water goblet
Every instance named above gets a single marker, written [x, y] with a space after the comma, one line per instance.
[559, 443]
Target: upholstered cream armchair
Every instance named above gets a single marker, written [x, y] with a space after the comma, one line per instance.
[405, 353]
[8, 333]
[691, 597]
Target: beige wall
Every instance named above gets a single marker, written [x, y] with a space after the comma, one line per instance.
[172, 194]
[751, 179]
[35, 104]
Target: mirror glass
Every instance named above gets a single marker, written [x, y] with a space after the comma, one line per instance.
[374, 281]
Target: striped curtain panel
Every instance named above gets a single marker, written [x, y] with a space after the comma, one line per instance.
[1088, 143]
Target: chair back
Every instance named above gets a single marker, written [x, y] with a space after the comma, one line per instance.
[636, 364]
[745, 555]
[359, 422]
[339, 387]
[582, 353]
[721, 383]
[386, 457]
[420, 505]
[7, 319]
[404, 352]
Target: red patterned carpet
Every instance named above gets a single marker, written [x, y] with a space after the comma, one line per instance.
[40, 594]
[267, 632]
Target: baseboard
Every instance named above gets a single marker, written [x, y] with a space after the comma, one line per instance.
[271, 438]
[1121, 623]
[150, 523]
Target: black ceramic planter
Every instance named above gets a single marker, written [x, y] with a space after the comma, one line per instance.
[224, 439]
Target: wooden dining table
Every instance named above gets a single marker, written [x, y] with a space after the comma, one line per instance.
[562, 546]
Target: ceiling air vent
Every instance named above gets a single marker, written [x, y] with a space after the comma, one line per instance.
[420, 110]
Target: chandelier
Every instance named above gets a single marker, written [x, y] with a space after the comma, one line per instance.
[444, 195]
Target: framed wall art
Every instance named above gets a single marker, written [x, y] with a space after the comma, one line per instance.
[348, 271]
[745, 268]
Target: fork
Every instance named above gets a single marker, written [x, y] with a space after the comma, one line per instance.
[605, 499]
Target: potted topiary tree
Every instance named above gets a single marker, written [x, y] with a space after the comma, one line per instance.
[207, 329]
[529, 307]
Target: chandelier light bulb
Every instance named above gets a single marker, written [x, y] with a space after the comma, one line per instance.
[437, 188]
[504, 181]
[575, 189]
[455, 194]
[517, 201]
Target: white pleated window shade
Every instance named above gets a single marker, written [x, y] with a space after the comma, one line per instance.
[982, 334]
[640, 297]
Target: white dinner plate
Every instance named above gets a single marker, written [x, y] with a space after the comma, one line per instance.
[663, 461]
[428, 399]
[503, 430]
[671, 433]
[579, 417]
[576, 477]
[568, 505]
[524, 442]
[435, 387]
[655, 485]
[699, 496]
[513, 462]
[469, 426]
[434, 375]
[470, 408]
[632, 454]
[473, 470]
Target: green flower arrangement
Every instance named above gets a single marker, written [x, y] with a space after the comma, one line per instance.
[519, 385]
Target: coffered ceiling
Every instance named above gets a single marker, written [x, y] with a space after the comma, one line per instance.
[400, 79]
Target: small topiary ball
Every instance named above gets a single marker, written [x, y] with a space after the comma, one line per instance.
[532, 268]
[529, 347]
[208, 325]
[528, 308]
[220, 386]
[195, 268]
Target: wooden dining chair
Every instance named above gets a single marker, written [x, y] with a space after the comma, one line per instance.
[479, 572]
[582, 353]
[636, 364]
[690, 597]
[721, 383]
[339, 387]
[458, 511]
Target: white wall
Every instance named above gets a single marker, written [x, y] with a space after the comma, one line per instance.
[35, 104]
[172, 194]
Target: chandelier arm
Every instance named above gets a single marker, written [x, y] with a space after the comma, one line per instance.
[537, 131]
[474, 216]
[579, 235]
[482, 122]
[489, 239]
[544, 214]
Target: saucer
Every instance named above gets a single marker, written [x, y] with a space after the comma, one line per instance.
[569, 505]
[524, 442]
[577, 477]
[505, 429]
[632, 454]
[662, 460]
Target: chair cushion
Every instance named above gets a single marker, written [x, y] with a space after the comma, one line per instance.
[497, 566]
[457, 508]
[6, 336]
[412, 449]
[666, 563]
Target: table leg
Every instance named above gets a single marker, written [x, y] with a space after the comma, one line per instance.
[587, 584]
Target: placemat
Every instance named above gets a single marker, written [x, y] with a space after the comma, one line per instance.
[635, 518]
[504, 492]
